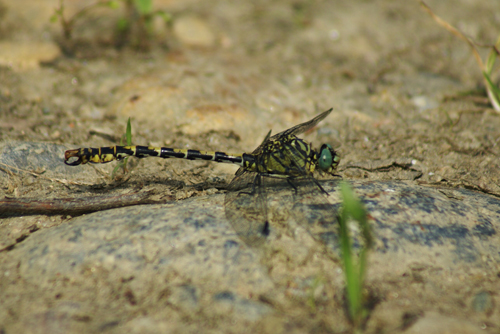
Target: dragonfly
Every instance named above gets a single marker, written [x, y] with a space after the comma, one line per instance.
[283, 157]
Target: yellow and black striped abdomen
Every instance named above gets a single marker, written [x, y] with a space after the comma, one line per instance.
[111, 153]
[282, 155]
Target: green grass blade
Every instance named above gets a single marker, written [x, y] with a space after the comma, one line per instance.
[490, 62]
[128, 139]
[354, 270]
[144, 6]
[128, 133]
[493, 92]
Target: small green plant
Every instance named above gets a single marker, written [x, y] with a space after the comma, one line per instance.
[69, 24]
[354, 269]
[138, 13]
[486, 68]
[315, 284]
[127, 137]
[146, 14]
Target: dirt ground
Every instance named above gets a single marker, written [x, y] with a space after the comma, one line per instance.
[408, 97]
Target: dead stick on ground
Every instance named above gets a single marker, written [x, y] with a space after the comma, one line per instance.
[75, 206]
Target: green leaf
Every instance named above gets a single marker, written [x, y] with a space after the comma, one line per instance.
[115, 170]
[123, 24]
[167, 17]
[128, 140]
[128, 133]
[491, 85]
[144, 6]
[354, 271]
[113, 4]
[54, 18]
[490, 62]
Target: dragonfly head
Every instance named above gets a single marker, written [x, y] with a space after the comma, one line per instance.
[328, 160]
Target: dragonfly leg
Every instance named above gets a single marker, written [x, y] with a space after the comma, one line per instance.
[320, 187]
[257, 182]
[289, 181]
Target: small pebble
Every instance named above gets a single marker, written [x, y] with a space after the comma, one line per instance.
[483, 302]
[22, 56]
[193, 31]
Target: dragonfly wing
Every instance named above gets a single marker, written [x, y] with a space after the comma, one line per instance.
[246, 208]
[259, 149]
[315, 213]
[246, 200]
[311, 207]
[298, 129]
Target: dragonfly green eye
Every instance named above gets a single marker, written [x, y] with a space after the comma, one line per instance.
[325, 157]
[328, 159]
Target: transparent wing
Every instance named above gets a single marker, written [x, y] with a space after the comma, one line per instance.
[246, 201]
[298, 129]
[315, 213]
[246, 208]
[254, 213]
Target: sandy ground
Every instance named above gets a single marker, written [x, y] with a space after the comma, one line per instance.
[408, 98]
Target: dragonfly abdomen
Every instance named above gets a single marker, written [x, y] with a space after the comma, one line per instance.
[111, 153]
[166, 152]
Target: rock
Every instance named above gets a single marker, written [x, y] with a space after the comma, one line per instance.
[193, 31]
[434, 323]
[181, 261]
[23, 56]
